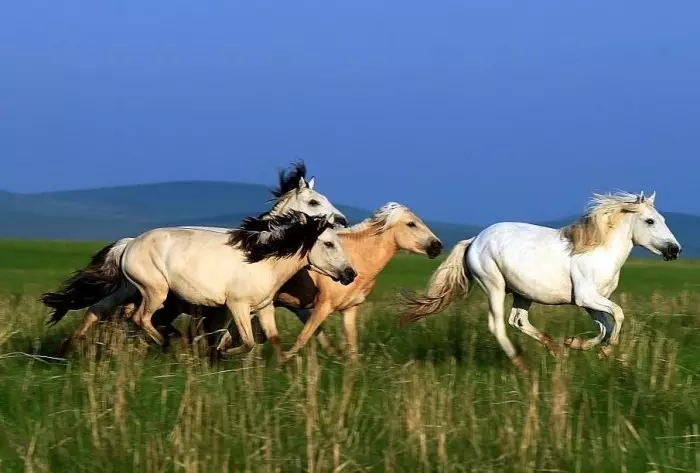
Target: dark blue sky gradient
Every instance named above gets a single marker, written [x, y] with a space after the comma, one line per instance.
[464, 110]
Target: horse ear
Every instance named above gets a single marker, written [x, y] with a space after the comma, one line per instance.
[640, 198]
[652, 197]
[302, 183]
[311, 183]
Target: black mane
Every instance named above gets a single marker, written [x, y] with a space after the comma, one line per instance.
[288, 181]
[279, 236]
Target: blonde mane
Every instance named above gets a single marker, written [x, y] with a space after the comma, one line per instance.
[380, 221]
[603, 212]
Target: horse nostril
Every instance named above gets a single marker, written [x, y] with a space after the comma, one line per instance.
[341, 220]
[436, 245]
[349, 273]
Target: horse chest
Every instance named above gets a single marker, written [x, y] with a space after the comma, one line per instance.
[356, 295]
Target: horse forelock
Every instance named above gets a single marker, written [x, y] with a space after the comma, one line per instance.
[603, 213]
[381, 220]
[289, 181]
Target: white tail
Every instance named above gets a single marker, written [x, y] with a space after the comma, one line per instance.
[449, 280]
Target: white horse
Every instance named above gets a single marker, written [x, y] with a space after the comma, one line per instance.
[99, 287]
[579, 264]
[242, 270]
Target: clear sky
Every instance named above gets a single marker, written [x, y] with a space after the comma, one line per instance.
[465, 110]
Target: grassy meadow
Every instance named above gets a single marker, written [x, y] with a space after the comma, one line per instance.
[437, 396]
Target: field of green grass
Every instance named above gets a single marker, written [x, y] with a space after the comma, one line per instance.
[436, 396]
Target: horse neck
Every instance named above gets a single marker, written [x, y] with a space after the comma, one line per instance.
[285, 268]
[619, 245]
[370, 252]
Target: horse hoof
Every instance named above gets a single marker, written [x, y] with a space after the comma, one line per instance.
[555, 350]
[605, 352]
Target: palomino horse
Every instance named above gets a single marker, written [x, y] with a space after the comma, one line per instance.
[370, 245]
[242, 270]
[576, 265]
[99, 286]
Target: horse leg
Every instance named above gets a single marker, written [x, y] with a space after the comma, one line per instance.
[587, 297]
[519, 319]
[241, 316]
[319, 314]
[606, 328]
[100, 311]
[323, 340]
[349, 324]
[266, 316]
[150, 302]
[496, 295]
[163, 319]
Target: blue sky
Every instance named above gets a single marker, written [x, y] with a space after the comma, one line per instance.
[472, 111]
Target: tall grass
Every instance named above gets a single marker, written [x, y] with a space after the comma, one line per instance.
[439, 396]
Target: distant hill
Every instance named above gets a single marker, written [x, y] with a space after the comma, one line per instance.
[115, 212]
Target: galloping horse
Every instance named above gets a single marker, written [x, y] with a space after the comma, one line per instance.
[99, 286]
[370, 245]
[242, 270]
[576, 265]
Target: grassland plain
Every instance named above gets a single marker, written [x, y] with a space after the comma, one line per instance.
[437, 396]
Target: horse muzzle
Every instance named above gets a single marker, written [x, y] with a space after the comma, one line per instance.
[340, 221]
[671, 252]
[434, 248]
[347, 276]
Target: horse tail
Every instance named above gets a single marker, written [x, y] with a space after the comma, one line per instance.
[87, 286]
[450, 279]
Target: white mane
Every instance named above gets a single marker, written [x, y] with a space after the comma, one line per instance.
[606, 203]
[381, 219]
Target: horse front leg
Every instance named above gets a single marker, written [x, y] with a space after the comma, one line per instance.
[266, 316]
[588, 298]
[304, 315]
[605, 331]
[319, 314]
[350, 328]
[240, 312]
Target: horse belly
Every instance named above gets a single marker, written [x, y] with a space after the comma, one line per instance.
[538, 277]
[199, 294]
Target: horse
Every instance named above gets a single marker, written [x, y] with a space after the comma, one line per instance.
[93, 285]
[242, 269]
[575, 265]
[370, 245]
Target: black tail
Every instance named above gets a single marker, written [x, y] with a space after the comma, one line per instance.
[84, 287]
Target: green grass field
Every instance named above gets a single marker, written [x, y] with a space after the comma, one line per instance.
[437, 396]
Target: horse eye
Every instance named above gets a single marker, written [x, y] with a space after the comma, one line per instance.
[649, 221]
[329, 244]
[411, 224]
[314, 203]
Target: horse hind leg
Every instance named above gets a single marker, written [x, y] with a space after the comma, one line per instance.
[519, 318]
[496, 295]
[104, 309]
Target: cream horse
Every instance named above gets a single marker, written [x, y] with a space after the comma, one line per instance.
[578, 265]
[99, 287]
[370, 245]
[242, 270]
